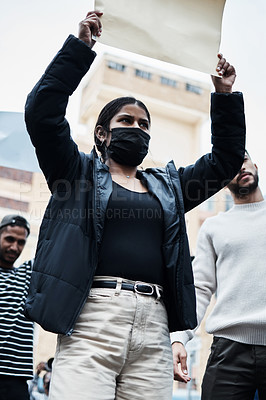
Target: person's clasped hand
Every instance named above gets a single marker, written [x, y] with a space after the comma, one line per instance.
[89, 27]
[227, 76]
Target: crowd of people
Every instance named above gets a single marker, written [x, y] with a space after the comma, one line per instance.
[113, 287]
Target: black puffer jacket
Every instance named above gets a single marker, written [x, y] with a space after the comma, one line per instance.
[81, 185]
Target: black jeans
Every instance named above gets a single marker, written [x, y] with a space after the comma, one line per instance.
[234, 371]
[13, 388]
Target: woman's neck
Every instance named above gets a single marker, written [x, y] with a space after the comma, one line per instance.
[125, 176]
[121, 170]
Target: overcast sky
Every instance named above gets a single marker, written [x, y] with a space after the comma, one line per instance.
[32, 31]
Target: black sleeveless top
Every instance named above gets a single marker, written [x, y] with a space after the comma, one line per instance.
[131, 247]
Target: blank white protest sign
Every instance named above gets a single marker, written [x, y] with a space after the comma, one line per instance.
[182, 32]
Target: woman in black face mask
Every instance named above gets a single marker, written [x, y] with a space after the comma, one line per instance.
[112, 272]
[122, 136]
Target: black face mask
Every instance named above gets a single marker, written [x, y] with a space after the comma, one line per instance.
[128, 146]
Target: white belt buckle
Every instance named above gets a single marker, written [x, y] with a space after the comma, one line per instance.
[144, 284]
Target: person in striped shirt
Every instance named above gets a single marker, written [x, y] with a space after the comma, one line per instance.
[16, 332]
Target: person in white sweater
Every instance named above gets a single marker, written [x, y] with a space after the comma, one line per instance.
[230, 263]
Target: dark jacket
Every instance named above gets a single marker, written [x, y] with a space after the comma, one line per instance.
[72, 227]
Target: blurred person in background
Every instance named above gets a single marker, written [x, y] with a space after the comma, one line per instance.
[230, 262]
[16, 332]
[46, 383]
[39, 385]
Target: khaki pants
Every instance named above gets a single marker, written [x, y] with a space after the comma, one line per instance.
[120, 350]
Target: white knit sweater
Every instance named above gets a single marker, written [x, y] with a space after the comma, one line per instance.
[231, 261]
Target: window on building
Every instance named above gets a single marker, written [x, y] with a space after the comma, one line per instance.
[228, 202]
[168, 82]
[13, 204]
[143, 74]
[208, 205]
[16, 174]
[193, 88]
[116, 66]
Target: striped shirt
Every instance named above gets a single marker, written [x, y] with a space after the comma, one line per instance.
[16, 332]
